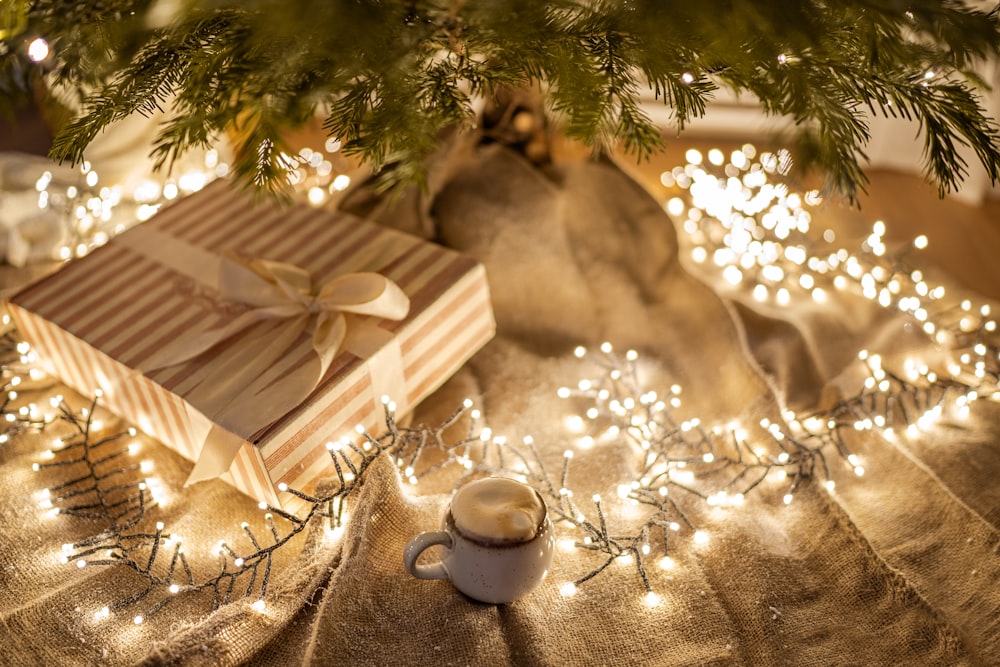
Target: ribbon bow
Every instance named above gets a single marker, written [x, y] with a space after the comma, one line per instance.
[255, 383]
[284, 291]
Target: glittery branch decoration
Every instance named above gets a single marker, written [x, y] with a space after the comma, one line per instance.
[106, 486]
[682, 462]
[101, 483]
[17, 373]
[681, 465]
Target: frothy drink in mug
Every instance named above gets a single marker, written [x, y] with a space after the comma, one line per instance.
[497, 541]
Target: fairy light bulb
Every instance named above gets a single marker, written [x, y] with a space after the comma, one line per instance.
[38, 50]
[341, 182]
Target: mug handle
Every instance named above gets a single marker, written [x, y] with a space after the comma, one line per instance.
[417, 546]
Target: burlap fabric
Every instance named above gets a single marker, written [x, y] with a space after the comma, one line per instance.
[897, 568]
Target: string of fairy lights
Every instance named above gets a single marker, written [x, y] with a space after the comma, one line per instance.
[761, 239]
[739, 227]
[102, 482]
[93, 212]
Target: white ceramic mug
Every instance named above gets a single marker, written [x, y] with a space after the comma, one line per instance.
[486, 565]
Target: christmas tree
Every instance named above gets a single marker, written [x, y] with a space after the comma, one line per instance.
[388, 75]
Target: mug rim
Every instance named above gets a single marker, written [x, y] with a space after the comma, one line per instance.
[451, 526]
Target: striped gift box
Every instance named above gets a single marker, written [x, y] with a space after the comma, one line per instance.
[101, 318]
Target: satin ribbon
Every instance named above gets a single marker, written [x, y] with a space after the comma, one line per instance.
[248, 390]
[276, 290]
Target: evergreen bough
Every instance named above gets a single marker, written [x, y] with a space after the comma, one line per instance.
[389, 74]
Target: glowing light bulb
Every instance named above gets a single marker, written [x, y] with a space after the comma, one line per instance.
[341, 182]
[316, 196]
[733, 275]
[38, 50]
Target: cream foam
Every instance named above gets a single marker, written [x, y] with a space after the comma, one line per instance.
[498, 510]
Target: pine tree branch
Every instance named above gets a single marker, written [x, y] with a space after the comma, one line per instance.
[390, 75]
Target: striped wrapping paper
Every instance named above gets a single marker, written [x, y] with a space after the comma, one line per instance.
[102, 317]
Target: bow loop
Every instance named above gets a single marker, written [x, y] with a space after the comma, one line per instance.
[364, 294]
